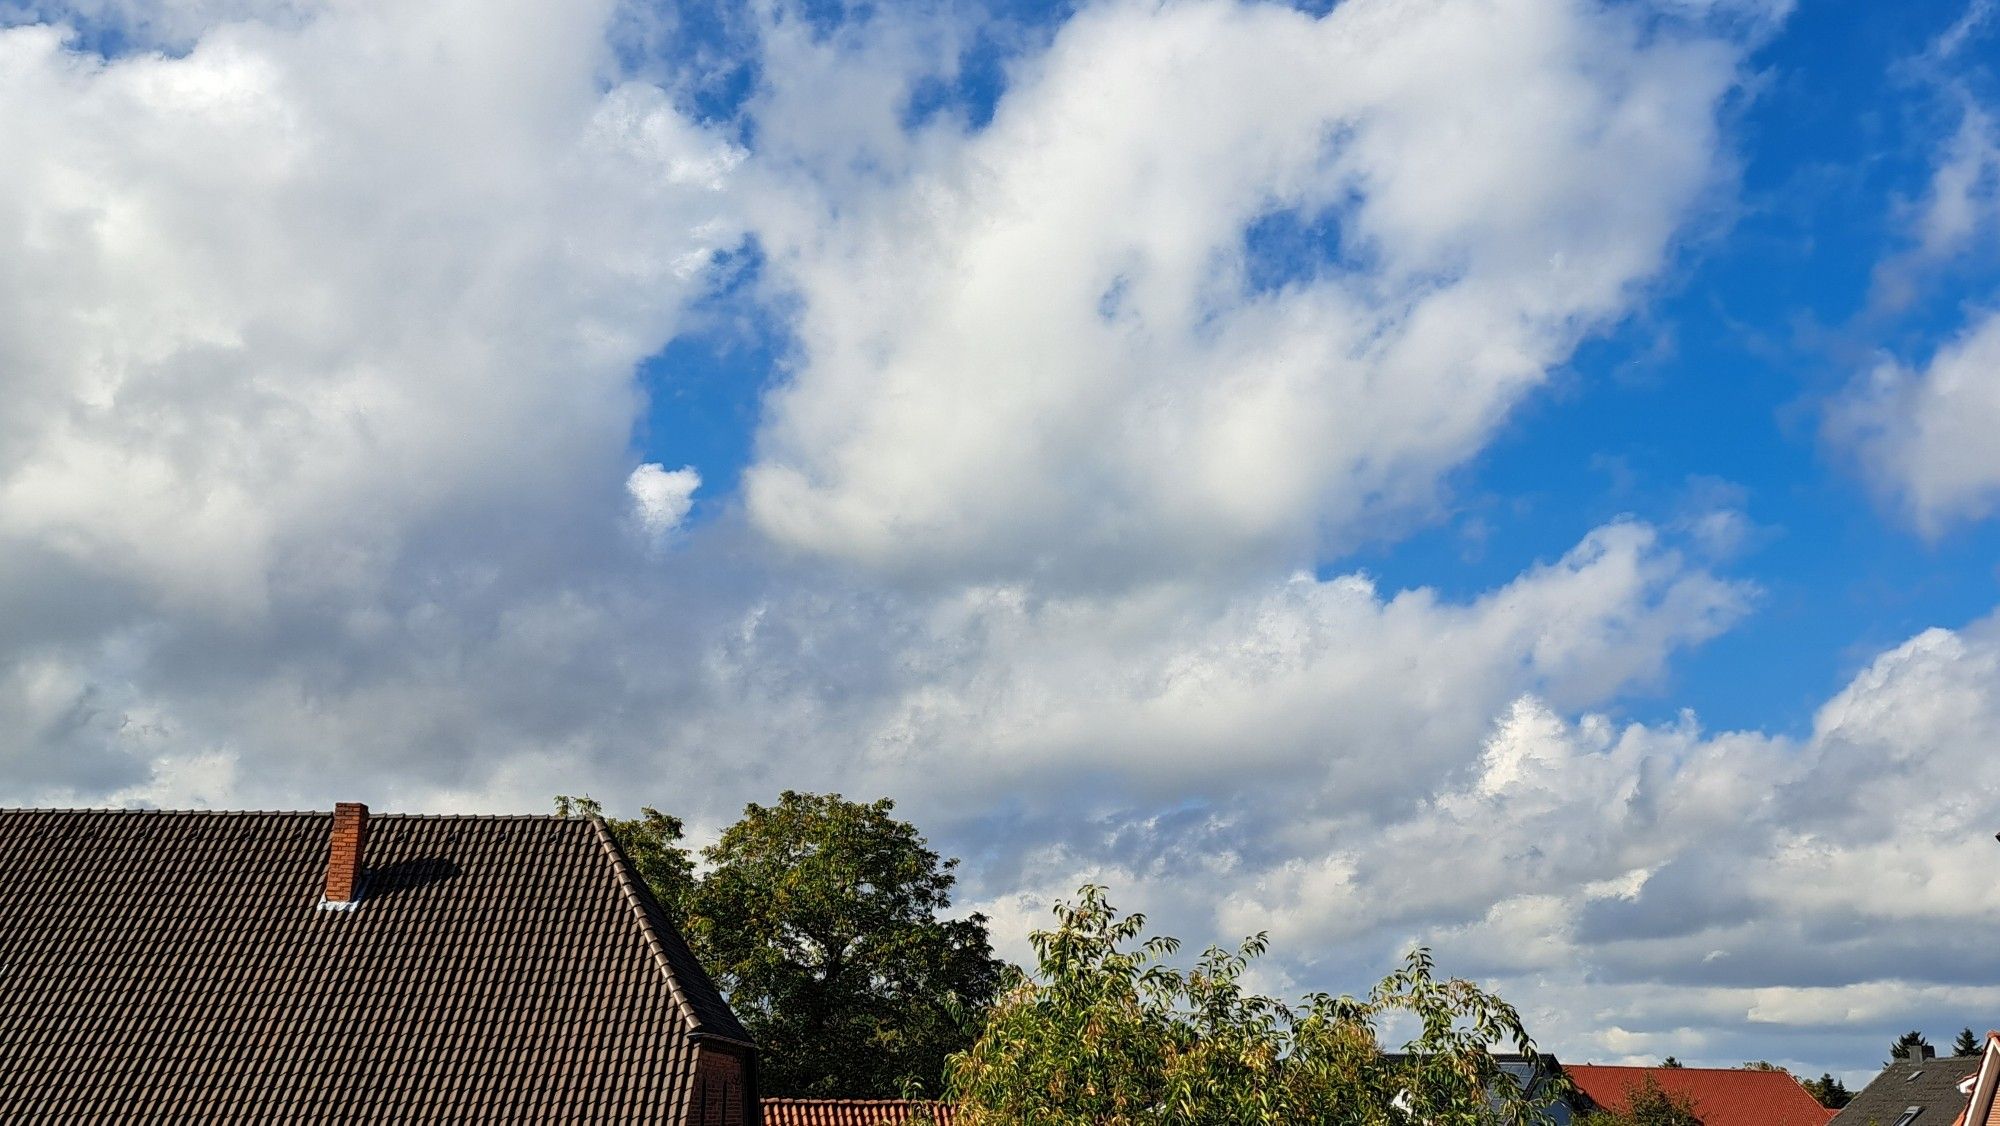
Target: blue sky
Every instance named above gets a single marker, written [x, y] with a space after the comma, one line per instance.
[1712, 392]
[1713, 387]
[1509, 475]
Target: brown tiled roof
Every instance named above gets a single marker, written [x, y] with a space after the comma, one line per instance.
[855, 1112]
[1928, 1083]
[1722, 1096]
[176, 966]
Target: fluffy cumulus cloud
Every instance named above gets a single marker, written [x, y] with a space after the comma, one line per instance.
[286, 310]
[275, 302]
[1922, 430]
[661, 499]
[1308, 698]
[1805, 890]
[1217, 281]
[1926, 432]
[1643, 889]
[322, 326]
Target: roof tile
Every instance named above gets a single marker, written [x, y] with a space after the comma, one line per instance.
[856, 1112]
[1721, 1096]
[175, 965]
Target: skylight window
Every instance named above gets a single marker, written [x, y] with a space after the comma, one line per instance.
[1909, 1115]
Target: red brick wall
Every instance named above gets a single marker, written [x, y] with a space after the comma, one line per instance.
[722, 1097]
[344, 857]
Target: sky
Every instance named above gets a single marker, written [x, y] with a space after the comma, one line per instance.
[1512, 476]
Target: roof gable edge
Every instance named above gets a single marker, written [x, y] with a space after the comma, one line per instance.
[637, 896]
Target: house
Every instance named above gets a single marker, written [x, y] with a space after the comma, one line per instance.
[1915, 1092]
[1722, 1096]
[1531, 1075]
[1981, 1088]
[314, 967]
[1534, 1077]
[856, 1112]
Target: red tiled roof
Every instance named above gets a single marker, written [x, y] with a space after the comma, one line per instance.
[855, 1112]
[1722, 1096]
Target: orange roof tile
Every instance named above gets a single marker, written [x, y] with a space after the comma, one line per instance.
[1722, 1096]
[855, 1112]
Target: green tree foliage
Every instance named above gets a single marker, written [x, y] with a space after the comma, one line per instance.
[1647, 1105]
[1829, 1091]
[821, 918]
[1762, 1065]
[1106, 1032]
[1908, 1046]
[652, 842]
[1670, 1062]
[1966, 1044]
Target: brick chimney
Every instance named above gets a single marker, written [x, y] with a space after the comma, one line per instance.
[344, 858]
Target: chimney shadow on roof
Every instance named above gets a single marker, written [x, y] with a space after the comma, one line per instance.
[406, 875]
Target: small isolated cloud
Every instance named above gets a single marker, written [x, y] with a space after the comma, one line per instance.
[661, 499]
[1925, 434]
[1967, 27]
[1965, 186]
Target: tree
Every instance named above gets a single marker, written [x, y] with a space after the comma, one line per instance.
[1966, 1044]
[1105, 1032]
[1647, 1105]
[1762, 1065]
[1670, 1062]
[1909, 1045]
[1829, 1091]
[821, 919]
[651, 841]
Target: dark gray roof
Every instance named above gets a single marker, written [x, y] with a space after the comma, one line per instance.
[176, 966]
[1931, 1084]
[1531, 1077]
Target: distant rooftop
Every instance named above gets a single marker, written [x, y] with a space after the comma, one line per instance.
[1723, 1096]
[1930, 1086]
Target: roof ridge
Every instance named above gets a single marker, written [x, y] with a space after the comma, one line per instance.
[372, 816]
[635, 897]
[851, 1101]
[1683, 1067]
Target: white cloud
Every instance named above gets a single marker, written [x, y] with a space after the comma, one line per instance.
[321, 334]
[1925, 434]
[1662, 877]
[660, 499]
[1922, 433]
[156, 24]
[1967, 28]
[280, 302]
[1964, 196]
[1037, 348]
[1275, 695]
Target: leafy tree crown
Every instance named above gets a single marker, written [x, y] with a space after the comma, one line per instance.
[1107, 1032]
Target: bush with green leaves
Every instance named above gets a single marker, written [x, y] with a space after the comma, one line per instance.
[1647, 1105]
[1107, 1032]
